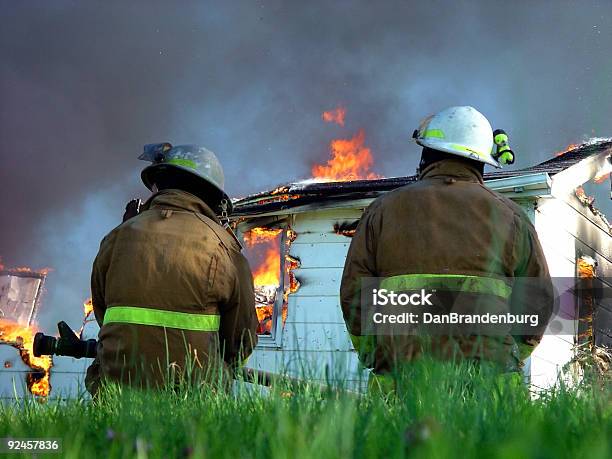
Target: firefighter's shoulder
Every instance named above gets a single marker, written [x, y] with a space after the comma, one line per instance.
[111, 236]
[395, 194]
[519, 212]
[227, 240]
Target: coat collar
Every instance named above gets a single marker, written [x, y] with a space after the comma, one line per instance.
[456, 169]
[179, 200]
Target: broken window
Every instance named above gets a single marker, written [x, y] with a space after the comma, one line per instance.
[19, 294]
[586, 273]
[267, 250]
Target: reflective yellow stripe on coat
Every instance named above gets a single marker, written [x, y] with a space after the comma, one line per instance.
[160, 318]
[449, 282]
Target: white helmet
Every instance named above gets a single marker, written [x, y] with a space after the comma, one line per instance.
[462, 131]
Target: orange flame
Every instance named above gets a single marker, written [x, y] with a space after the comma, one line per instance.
[335, 116]
[586, 267]
[601, 178]
[87, 311]
[583, 197]
[87, 308]
[26, 269]
[22, 338]
[264, 317]
[266, 274]
[260, 235]
[570, 147]
[351, 160]
[604, 173]
[268, 271]
[586, 271]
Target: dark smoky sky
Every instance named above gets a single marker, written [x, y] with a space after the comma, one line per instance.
[83, 85]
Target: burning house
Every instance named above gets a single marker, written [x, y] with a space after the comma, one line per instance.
[297, 236]
[22, 373]
[20, 292]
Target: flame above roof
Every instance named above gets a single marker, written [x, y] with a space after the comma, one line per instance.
[309, 191]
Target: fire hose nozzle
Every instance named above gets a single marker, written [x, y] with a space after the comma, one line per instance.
[68, 344]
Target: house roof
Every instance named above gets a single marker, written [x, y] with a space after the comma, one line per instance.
[309, 191]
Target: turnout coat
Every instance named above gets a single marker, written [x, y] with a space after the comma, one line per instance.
[171, 291]
[448, 233]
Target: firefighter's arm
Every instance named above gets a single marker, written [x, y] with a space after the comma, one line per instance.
[238, 329]
[360, 263]
[98, 275]
[533, 290]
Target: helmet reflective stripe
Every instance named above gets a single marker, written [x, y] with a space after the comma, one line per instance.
[182, 162]
[461, 131]
[469, 150]
[433, 134]
[160, 318]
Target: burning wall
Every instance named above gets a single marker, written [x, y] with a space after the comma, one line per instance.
[22, 338]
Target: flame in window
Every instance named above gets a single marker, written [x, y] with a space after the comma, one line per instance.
[264, 251]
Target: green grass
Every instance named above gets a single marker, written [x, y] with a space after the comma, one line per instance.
[444, 410]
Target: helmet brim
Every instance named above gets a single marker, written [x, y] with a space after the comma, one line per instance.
[148, 178]
[450, 148]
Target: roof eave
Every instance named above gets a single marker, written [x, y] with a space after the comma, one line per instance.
[566, 181]
[528, 186]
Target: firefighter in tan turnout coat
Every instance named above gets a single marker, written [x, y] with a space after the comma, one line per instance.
[449, 233]
[170, 287]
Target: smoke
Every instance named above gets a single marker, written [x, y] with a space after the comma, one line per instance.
[85, 84]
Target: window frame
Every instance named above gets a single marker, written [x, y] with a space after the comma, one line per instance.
[274, 339]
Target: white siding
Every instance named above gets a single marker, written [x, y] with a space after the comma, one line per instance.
[315, 341]
[554, 351]
[67, 375]
[315, 337]
[13, 378]
[566, 234]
